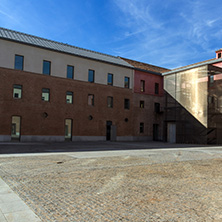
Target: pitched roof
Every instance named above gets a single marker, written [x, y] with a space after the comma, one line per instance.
[145, 66]
[20, 37]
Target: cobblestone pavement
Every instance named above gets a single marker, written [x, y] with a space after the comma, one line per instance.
[146, 185]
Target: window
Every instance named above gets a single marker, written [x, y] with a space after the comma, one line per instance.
[69, 97]
[19, 62]
[219, 55]
[141, 127]
[142, 85]
[17, 91]
[91, 100]
[156, 107]
[91, 75]
[126, 82]
[142, 105]
[45, 94]
[110, 79]
[46, 67]
[156, 88]
[70, 72]
[110, 102]
[126, 103]
[212, 79]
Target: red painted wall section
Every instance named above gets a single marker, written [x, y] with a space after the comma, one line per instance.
[150, 80]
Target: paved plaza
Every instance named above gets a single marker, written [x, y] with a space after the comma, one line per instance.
[110, 182]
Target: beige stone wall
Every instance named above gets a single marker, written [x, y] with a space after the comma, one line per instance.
[34, 56]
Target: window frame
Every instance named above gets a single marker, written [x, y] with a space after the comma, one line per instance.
[43, 67]
[127, 104]
[67, 72]
[126, 82]
[157, 107]
[156, 88]
[69, 93]
[47, 90]
[16, 66]
[92, 99]
[108, 82]
[141, 127]
[110, 99]
[91, 72]
[18, 87]
[142, 85]
[142, 104]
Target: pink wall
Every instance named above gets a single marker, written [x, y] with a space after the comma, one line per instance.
[150, 80]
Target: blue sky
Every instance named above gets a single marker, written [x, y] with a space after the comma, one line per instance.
[168, 33]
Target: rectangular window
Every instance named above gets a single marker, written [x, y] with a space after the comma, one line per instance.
[69, 97]
[46, 67]
[91, 75]
[110, 101]
[142, 105]
[70, 72]
[19, 62]
[142, 85]
[45, 94]
[126, 82]
[157, 107]
[110, 79]
[126, 104]
[156, 88]
[91, 100]
[141, 127]
[17, 91]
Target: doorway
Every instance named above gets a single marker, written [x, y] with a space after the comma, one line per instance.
[171, 132]
[16, 128]
[155, 132]
[108, 130]
[68, 129]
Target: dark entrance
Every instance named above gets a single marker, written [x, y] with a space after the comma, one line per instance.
[155, 132]
[108, 130]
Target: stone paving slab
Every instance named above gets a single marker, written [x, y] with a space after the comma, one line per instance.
[12, 208]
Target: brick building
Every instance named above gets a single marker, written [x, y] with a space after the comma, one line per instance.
[52, 91]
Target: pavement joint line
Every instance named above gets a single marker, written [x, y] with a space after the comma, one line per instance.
[13, 208]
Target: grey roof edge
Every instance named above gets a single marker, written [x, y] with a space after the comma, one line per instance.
[192, 66]
[121, 62]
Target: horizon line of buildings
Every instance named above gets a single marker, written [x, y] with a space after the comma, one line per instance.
[50, 91]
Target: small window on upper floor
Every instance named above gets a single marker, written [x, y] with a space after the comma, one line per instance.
[141, 127]
[17, 91]
[126, 82]
[19, 61]
[46, 67]
[126, 104]
[69, 97]
[91, 75]
[70, 72]
[91, 100]
[142, 85]
[45, 94]
[142, 104]
[110, 101]
[219, 55]
[110, 79]
[156, 88]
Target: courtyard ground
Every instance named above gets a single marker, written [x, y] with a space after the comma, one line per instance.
[135, 182]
